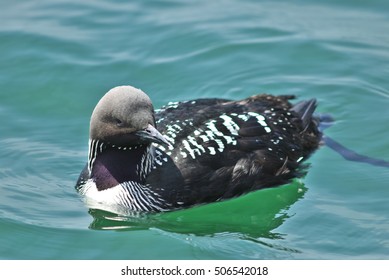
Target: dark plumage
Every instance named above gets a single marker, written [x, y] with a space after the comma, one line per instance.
[204, 150]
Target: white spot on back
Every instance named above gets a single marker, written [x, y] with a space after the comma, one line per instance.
[204, 138]
[244, 117]
[230, 124]
[193, 141]
[212, 127]
[212, 150]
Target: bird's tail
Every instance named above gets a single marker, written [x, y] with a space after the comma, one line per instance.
[304, 110]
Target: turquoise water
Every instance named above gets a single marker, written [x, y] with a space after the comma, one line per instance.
[59, 57]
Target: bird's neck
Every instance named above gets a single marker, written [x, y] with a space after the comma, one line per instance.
[110, 165]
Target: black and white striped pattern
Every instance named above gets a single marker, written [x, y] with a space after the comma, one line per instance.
[131, 195]
[210, 138]
[146, 164]
[140, 198]
[95, 147]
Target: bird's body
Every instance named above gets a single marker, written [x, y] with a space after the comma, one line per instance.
[205, 150]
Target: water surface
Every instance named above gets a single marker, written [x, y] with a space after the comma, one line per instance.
[59, 57]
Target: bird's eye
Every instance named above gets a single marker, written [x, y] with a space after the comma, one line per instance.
[118, 122]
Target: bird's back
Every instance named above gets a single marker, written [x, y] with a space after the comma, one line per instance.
[221, 148]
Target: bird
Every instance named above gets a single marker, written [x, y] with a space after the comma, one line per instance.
[193, 152]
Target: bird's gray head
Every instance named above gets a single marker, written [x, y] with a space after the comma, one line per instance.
[124, 116]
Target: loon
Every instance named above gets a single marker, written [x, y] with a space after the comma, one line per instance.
[192, 152]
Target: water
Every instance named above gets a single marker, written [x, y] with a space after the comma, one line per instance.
[59, 57]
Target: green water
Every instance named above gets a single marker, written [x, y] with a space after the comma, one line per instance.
[59, 57]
